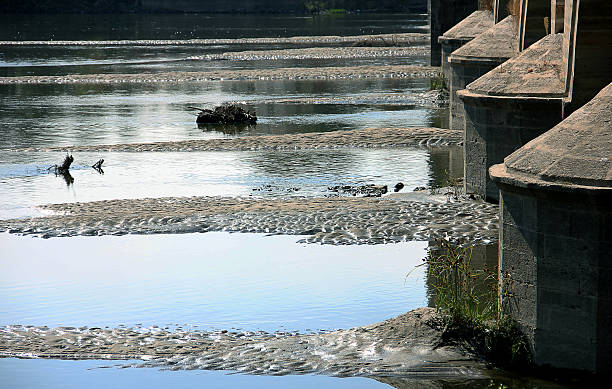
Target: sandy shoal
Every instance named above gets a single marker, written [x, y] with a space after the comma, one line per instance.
[366, 138]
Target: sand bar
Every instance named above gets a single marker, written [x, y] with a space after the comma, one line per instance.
[298, 73]
[366, 220]
[366, 138]
[411, 345]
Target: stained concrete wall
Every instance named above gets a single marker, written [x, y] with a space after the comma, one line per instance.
[488, 50]
[447, 49]
[556, 248]
[589, 51]
[461, 34]
[535, 24]
[462, 74]
[443, 15]
[500, 10]
[494, 128]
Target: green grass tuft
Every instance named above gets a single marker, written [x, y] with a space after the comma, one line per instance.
[469, 298]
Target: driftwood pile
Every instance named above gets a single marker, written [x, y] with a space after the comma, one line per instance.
[226, 114]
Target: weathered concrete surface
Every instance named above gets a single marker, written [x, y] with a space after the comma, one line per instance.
[443, 15]
[509, 106]
[536, 72]
[396, 218]
[496, 44]
[369, 137]
[588, 42]
[556, 236]
[410, 346]
[476, 58]
[466, 30]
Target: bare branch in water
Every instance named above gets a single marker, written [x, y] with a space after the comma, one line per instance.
[98, 166]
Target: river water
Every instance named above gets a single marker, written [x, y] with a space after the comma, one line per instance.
[203, 281]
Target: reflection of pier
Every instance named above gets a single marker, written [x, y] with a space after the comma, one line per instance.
[552, 60]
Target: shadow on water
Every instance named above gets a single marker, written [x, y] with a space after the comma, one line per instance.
[227, 129]
[446, 165]
[67, 177]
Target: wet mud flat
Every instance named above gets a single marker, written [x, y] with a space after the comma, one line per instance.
[416, 216]
[366, 138]
[294, 73]
[395, 39]
[410, 345]
[315, 53]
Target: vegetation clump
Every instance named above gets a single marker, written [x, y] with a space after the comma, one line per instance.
[226, 114]
[469, 298]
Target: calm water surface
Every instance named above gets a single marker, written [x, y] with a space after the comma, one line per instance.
[201, 26]
[47, 115]
[212, 280]
[56, 374]
[278, 174]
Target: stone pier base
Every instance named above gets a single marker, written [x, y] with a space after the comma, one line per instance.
[444, 14]
[497, 126]
[556, 251]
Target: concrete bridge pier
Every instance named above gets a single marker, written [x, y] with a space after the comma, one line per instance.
[489, 49]
[528, 94]
[444, 14]
[556, 239]
[463, 32]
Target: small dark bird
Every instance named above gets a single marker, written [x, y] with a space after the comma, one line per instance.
[398, 187]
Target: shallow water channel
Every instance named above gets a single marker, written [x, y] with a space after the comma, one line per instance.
[213, 281]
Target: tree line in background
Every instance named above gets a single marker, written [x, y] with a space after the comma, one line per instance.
[245, 6]
[70, 6]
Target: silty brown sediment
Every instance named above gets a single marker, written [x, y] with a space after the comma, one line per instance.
[365, 138]
[410, 345]
[321, 220]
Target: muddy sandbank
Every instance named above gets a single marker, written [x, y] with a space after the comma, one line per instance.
[315, 53]
[387, 39]
[365, 138]
[298, 73]
[322, 220]
[410, 345]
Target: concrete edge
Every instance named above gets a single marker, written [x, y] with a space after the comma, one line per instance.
[500, 175]
[531, 98]
[463, 60]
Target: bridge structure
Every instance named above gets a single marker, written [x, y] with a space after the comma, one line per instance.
[538, 139]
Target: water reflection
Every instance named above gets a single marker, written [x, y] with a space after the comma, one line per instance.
[191, 26]
[214, 280]
[46, 115]
[227, 129]
[446, 166]
[24, 181]
[57, 374]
